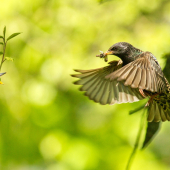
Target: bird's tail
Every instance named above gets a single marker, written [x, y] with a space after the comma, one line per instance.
[158, 111]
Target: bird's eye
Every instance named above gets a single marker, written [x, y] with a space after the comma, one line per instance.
[114, 48]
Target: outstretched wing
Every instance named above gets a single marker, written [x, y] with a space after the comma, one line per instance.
[143, 73]
[104, 91]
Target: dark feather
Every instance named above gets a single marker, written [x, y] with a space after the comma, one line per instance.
[145, 66]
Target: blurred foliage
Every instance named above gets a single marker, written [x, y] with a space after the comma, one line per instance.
[152, 128]
[45, 122]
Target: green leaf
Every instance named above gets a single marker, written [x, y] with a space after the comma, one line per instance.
[1, 43]
[137, 109]
[13, 35]
[1, 53]
[4, 31]
[152, 128]
[1, 37]
[9, 58]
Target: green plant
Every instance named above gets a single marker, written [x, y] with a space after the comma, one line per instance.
[4, 45]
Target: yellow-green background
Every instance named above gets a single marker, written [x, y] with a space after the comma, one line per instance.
[45, 122]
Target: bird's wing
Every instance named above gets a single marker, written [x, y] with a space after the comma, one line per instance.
[143, 73]
[104, 91]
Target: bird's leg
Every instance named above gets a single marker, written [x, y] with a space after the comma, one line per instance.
[145, 94]
[151, 99]
[142, 93]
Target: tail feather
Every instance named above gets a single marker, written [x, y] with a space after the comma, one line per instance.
[151, 114]
[168, 115]
[157, 113]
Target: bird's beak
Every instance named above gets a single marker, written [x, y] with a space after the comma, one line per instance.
[108, 53]
[104, 55]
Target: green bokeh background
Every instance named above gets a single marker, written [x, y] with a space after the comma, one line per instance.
[45, 122]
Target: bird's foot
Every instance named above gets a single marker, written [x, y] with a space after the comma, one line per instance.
[151, 99]
[142, 93]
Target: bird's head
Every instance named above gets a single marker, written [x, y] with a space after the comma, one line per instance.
[119, 49]
[123, 50]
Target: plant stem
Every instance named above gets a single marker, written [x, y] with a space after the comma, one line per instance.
[137, 141]
[4, 47]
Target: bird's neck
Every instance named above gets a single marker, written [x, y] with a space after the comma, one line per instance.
[130, 56]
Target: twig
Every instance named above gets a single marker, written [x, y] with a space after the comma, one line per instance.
[137, 141]
[3, 57]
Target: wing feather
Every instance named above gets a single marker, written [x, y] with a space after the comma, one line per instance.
[106, 91]
[143, 73]
[142, 84]
[136, 80]
[148, 80]
[105, 94]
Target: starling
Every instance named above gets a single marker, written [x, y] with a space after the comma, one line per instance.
[136, 76]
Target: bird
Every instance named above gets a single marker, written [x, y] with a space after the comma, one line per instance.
[136, 76]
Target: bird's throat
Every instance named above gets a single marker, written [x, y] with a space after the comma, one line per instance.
[129, 57]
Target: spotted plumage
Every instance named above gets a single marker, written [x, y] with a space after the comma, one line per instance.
[136, 76]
